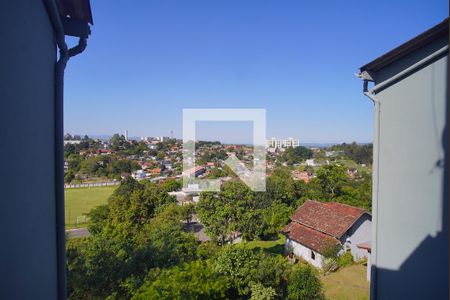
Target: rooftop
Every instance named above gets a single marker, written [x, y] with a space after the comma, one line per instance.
[330, 218]
[311, 238]
[410, 46]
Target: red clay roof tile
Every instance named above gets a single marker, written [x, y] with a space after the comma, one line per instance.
[308, 237]
[329, 217]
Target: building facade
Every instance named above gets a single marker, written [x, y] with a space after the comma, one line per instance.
[32, 256]
[286, 143]
[409, 250]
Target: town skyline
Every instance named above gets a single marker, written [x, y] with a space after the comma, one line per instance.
[229, 142]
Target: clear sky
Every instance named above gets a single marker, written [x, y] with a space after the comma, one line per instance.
[147, 60]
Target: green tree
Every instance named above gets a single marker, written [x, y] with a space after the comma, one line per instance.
[304, 284]
[117, 142]
[133, 234]
[98, 218]
[215, 215]
[160, 155]
[75, 266]
[296, 155]
[260, 292]
[165, 241]
[233, 209]
[188, 211]
[331, 177]
[195, 280]
[275, 218]
[171, 185]
[279, 187]
[238, 264]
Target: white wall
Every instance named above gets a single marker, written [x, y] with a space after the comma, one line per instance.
[304, 252]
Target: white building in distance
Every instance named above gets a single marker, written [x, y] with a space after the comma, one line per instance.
[287, 143]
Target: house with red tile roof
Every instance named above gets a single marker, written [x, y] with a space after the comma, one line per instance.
[196, 171]
[316, 226]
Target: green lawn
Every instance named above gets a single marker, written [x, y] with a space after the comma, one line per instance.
[274, 246]
[347, 283]
[351, 164]
[80, 201]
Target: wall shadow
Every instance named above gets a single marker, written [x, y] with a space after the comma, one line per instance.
[425, 273]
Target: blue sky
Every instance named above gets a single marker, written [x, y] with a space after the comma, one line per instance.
[147, 60]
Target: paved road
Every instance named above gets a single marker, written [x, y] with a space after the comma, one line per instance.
[198, 230]
[77, 232]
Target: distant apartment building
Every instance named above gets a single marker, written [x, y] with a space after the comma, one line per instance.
[291, 143]
[162, 138]
[287, 143]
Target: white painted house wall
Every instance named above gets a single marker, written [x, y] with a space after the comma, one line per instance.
[304, 252]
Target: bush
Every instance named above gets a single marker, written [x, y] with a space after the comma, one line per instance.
[304, 283]
[329, 265]
[260, 292]
[194, 280]
[345, 259]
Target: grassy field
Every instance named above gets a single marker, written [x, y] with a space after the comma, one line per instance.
[274, 247]
[348, 283]
[80, 201]
[352, 164]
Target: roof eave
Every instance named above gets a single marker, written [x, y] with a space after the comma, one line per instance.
[415, 43]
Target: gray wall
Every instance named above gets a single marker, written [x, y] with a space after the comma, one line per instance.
[27, 222]
[410, 243]
[360, 232]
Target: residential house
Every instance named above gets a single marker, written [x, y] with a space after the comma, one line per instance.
[146, 165]
[156, 171]
[317, 226]
[139, 174]
[198, 170]
[304, 176]
[311, 162]
[104, 151]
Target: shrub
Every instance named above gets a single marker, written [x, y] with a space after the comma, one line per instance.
[304, 283]
[194, 280]
[329, 265]
[260, 292]
[345, 259]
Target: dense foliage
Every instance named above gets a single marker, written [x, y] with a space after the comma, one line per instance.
[296, 155]
[138, 249]
[360, 153]
[261, 215]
